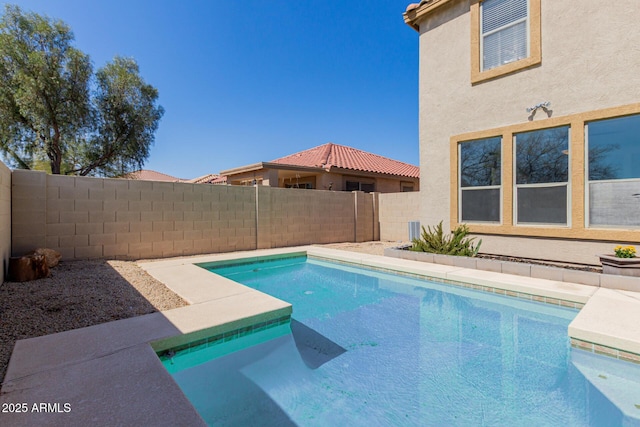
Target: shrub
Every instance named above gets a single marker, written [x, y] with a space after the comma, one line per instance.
[625, 251]
[456, 243]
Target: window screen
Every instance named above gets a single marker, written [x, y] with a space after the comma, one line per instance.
[481, 205]
[546, 205]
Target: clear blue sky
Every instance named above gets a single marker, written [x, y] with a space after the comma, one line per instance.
[244, 81]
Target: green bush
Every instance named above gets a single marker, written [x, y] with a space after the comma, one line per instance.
[456, 243]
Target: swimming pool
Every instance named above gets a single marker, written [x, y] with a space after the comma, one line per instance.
[369, 348]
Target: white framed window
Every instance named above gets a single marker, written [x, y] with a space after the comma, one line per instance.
[480, 178]
[612, 163]
[541, 176]
[504, 31]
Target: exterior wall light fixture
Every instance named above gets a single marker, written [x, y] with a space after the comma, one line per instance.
[543, 105]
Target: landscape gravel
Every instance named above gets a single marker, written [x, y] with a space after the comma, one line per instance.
[77, 294]
[89, 292]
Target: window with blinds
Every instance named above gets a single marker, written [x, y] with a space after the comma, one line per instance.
[504, 32]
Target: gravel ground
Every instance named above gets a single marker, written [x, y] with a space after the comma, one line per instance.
[77, 294]
[373, 248]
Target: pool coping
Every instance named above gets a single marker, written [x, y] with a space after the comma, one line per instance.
[110, 371]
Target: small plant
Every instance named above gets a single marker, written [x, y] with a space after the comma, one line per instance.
[625, 251]
[456, 243]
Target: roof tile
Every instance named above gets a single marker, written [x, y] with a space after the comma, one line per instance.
[150, 175]
[205, 179]
[344, 157]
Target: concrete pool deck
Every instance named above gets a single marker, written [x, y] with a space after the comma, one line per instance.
[110, 374]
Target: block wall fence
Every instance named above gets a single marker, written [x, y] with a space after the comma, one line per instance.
[396, 210]
[5, 219]
[83, 217]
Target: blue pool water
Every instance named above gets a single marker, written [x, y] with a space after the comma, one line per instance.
[373, 349]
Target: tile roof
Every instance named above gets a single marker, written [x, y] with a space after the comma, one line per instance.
[219, 180]
[417, 11]
[205, 179]
[149, 175]
[340, 156]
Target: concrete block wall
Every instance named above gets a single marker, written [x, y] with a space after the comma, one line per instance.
[365, 211]
[288, 217]
[85, 217]
[5, 219]
[396, 210]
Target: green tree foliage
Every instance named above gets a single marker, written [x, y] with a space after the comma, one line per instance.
[436, 241]
[54, 110]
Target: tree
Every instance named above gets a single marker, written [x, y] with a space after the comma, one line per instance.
[126, 119]
[54, 109]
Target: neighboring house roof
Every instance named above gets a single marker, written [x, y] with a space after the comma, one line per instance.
[333, 155]
[149, 175]
[205, 179]
[219, 180]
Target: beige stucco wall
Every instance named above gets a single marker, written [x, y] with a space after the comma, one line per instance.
[396, 210]
[5, 219]
[575, 251]
[326, 180]
[589, 62]
[386, 185]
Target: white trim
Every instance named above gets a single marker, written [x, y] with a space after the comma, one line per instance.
[484, 187]
[543, 185]
[587, 207]
[598, 181]
[569, 181]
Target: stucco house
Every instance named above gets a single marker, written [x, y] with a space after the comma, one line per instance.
[530, 123]
[330, 167]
